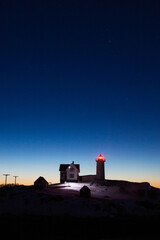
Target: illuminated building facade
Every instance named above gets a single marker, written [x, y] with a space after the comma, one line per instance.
[69, 172]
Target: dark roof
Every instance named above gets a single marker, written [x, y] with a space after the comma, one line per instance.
[85, 189]
[41, 179]
[63, 167]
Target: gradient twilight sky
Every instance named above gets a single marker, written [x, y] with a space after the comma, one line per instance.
[80, 78]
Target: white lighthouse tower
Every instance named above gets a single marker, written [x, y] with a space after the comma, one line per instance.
[100, 173]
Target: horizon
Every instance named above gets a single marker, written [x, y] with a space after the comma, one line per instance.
[78, 79]
[113, 175]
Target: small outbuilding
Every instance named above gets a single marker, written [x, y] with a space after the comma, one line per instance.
[41, 182]
[85, 192]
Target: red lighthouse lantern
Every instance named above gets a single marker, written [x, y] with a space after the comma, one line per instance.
[100, 158]
[100, 173]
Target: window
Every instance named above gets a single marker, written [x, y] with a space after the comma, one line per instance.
[71, 169]
[71, 175]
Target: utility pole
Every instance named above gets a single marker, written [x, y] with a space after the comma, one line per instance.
[6, 175]
[15, 179]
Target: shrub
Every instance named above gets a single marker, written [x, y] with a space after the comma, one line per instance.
[6, 187]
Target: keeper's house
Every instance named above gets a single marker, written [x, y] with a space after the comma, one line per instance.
[69, 172]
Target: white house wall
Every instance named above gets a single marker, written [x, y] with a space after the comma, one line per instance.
[72, 173]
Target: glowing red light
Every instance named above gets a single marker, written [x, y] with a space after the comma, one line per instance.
[100, 158]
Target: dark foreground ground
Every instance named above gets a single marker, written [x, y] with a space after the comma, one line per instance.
[46, 228]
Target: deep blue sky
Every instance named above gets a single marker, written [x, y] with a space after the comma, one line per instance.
[79, 78]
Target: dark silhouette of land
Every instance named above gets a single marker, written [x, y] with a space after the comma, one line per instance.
[67, 227]
[130, 211]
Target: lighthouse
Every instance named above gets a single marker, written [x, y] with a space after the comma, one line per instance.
[100, 173]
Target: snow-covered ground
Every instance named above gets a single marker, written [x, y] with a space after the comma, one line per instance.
[108, 198]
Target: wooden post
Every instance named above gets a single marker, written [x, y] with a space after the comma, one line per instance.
[15, 179]
[6, 175]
